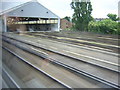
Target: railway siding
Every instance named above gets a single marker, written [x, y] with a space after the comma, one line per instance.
[44, 57]
[112, 60]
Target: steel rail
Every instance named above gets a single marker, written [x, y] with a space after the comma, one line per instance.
[67, 66]
[76, 45]
[69, 56]
[35, 67]
[11, 79]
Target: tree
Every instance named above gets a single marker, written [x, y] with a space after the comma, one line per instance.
[106, 26]
[112, 17]
[67, 18]
[82, 14]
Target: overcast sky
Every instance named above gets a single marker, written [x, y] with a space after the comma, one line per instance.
[62, 7]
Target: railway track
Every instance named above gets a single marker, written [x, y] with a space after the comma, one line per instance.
[23, 64]
[95, 61]
[92, 83]
[103, 47]
[90, 37]
[10, 81]
[43, 55]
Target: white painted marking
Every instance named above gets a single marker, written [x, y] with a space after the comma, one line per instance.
[28, 35]
[28, 41]
[42, 44]
[109, 38]
[85, 47]
[105, 61]
[53, 47]
[39, 40]
[104, 44]
[34, 42]
[100, 48]
[99, 37]
[39, 51]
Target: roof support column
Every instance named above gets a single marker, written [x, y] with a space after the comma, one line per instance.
[58, 24]
[5, 24]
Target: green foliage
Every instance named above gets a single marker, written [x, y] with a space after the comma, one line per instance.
[118, 29]
[113, 17]
[67, 18]
[106, 26]
[82, 15]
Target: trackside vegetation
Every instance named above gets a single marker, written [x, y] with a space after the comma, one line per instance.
[82, 14]
[83, 21]
[106, 26]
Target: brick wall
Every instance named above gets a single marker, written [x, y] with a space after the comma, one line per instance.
[65, 24]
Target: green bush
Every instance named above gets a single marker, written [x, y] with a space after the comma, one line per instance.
[106, 26]
[118, 30]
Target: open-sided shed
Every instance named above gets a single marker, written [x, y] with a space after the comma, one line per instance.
[29, 16]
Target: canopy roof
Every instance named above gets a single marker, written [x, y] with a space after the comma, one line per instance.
[29, 9]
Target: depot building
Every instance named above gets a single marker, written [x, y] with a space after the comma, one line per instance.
[30, 16]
